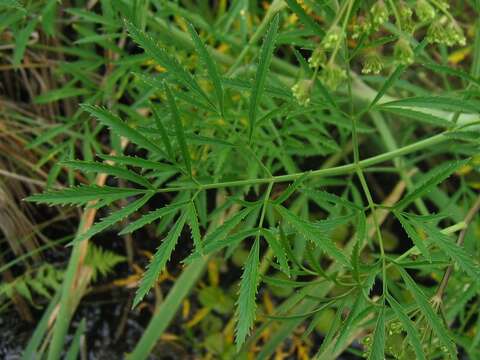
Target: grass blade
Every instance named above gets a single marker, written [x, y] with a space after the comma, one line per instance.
[165, 313]
[421, 116]
[21, 41]
[437, 102]
[74, 349]
[33, 347]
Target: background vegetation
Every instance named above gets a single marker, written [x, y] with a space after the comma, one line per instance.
[239, 179]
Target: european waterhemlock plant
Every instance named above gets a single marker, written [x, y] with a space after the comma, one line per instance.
[273, 129]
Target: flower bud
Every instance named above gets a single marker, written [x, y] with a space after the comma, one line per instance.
[425, 12]
[403, 53]
[332, 76]
[317, 58]
[361, 28]
[405, 12]
[301, 91]
[394, 328]
[333, 36]
[372, 64]
[436, 33]
[449, 34]
[455, 34]
[379, 13]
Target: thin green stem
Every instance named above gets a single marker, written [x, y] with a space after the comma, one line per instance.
[376, 223]
[414, 250]
[269, 254]
[344, 27]
[333, 171]
[391, 144]
[395, 13]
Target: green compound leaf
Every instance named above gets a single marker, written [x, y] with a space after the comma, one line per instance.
[305, 18]
[179, 130]
[458, 254]
[433, 319]
[153, 216]
[378, 344]
[246, 304]
[115, 217]
[159, 260]
[412, 233]
[424, 117]
[437, 102]
[140, 163]
[278, 250]
[81, 195]
[211, 67]
[266, 54]
[99, 168]
[163, 58]
[312, 233]
[163, 132]
[192, 220]
[430, 180]
[409, 327]
[120, 128]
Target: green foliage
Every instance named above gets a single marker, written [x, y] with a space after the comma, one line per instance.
[120, 128]
[413, 335]
[313, 232]
[47, 279]
[212, 67]
[427, 311]
[377, 352]
[159, 260]
[246, 304]
[43, 282]
[81, 195]
[180, 134]
[102, 261]
[265, 57]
